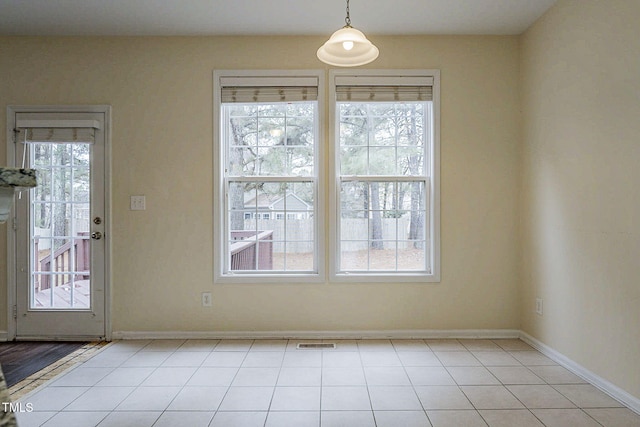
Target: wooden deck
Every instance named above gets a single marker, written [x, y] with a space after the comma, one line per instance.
[62, 296]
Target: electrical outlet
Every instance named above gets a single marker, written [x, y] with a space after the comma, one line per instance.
[539, 306]
[138, 203]
[206, 299]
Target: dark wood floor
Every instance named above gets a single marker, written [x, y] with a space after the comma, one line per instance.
[23, 358]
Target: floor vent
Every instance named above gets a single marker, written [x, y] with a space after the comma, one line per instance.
[302, 346]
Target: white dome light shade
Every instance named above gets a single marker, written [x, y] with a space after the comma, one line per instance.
[347, 47]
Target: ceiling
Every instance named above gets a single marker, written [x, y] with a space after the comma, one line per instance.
[266, 17]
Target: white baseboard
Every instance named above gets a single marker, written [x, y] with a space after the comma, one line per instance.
[612, 390]
[367, 334]
[4, 336]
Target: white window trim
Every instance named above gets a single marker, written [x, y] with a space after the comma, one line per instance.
[334, 194]
[218, 182]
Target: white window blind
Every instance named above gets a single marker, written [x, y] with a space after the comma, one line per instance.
[57, 131]
[268, 89]
[383, 89]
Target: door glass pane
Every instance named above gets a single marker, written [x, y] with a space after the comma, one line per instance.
[59, 235]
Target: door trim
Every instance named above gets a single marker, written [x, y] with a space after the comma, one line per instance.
[11, 229]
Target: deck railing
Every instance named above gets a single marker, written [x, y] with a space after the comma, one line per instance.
[252, 251]
[61, 262]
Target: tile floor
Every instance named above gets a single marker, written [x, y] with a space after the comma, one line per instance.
[383, 383]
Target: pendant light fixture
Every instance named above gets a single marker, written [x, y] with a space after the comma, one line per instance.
[347, 47]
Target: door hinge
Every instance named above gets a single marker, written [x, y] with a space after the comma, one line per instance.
[15, 223]
[15, 311]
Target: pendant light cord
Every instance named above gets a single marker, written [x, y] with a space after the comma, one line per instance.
[347, 20]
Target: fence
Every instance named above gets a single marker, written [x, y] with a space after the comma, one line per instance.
[299, 233]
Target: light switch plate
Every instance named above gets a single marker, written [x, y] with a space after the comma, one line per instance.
[206, 299]
[138, 203]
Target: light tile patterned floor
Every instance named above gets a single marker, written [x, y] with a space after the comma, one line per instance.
[363, 383]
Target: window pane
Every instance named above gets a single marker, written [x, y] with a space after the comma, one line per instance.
[81, 220]
[272, 161]
[272, 216]
[300, 227]
[382, 222]
[354, 256]
[384, 131]
[241, 201]
[299, 256]
[353, 197]
[411, 255]
[81, 154]
[382, 139]
[243, 130]
[42, 156]
[353, 160]
[353, 131]
[300, 196]
[42, 192]
[410, 161]
[61, 154]
[242, 110]
[299, 130]
[81, 184]
[271, 131]
[279, 256]
[278, 109]
[354, 227]
[299, 161]
[301, 110]
[384, 257]
[271, 139]
[352, 109]
[382, 161]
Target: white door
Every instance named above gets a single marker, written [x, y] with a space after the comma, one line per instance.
[60, 226]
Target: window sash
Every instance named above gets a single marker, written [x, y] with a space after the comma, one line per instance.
[392, 241]
[285, 241]
[256, 214]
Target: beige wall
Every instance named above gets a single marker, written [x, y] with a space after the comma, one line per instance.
[161, 93]
[581, 186]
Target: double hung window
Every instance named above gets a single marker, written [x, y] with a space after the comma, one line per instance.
[385, 219]
[383, 194]
[268, 152]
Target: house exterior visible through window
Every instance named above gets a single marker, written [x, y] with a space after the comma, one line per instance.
[385, 221]
[267, 153]
[383, 194]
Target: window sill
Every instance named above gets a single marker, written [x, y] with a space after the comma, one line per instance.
[382, 277]
[243, 278]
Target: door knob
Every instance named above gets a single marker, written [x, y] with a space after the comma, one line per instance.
[96, 235]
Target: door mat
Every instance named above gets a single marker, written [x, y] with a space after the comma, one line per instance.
[21, 359]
